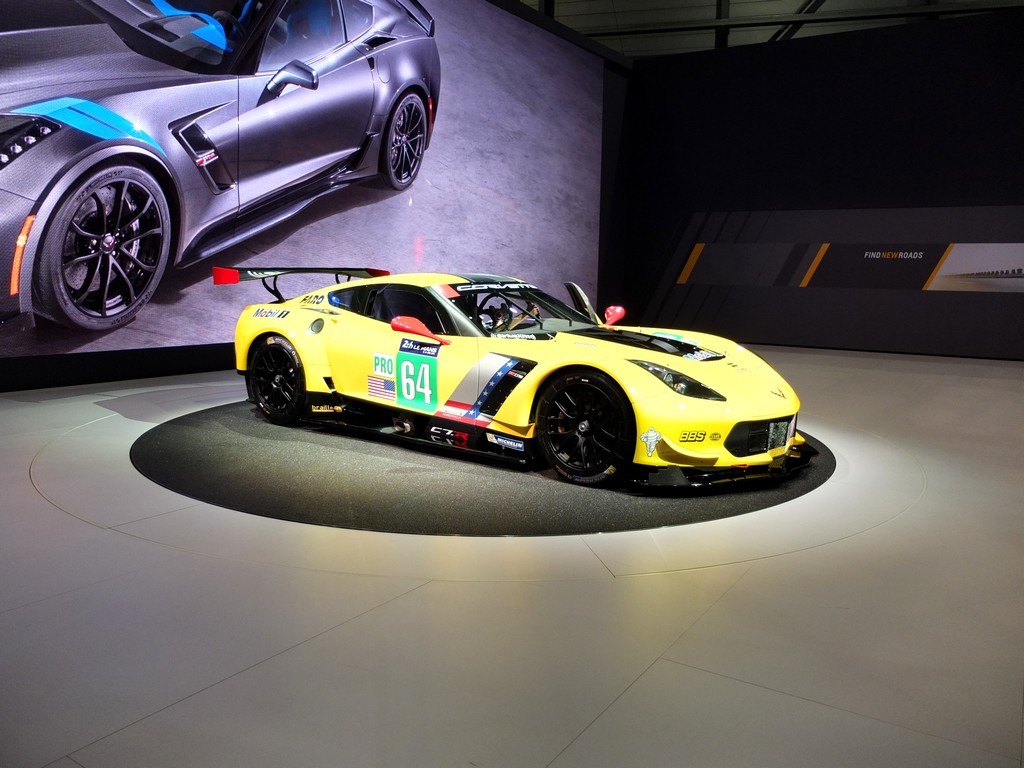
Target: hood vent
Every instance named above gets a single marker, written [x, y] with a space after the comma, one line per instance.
[650, 343]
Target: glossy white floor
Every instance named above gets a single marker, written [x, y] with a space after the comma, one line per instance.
[876, 621]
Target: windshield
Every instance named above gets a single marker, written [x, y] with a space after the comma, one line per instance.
[198, 35]
[513, 309]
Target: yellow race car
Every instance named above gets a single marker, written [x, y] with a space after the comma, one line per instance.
[494, 365]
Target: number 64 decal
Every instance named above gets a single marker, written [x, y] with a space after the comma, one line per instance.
[417, 382]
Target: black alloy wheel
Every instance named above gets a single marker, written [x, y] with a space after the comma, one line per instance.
[105, 250]
[406, 141]
[277, 381]
[585, 427]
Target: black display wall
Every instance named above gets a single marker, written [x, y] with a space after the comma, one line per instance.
[860, 191]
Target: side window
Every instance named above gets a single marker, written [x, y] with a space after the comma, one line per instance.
[358, 299]
[342, 299]
[358, 17]
[303, 30]
[397, 300]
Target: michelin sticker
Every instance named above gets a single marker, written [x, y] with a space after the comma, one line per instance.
[506, 442]
[650, 438]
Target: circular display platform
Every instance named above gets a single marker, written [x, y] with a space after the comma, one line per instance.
[232, 457]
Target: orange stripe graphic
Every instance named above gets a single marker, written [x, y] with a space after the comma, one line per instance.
[690, 263]
[19, 253]
[814, 265]
[938, 267]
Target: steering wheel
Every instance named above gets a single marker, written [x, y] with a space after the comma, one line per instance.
[232, 26]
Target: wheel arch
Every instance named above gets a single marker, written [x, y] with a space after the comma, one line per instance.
[311, 353]
[58, 189]
[579, 464]
[405, 59]
[168, 184]
[256, 340]
[574, 368]
[250, 352]
[421, 90]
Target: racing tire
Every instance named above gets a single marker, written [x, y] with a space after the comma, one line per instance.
[105, 250]
[585, 427]
[277, 381]
[405, 141]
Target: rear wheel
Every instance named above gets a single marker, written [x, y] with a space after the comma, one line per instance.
[277, 381]
[405, 142]
[105, 250]
[585, 427]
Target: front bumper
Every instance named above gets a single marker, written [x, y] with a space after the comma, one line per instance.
[793, 460]
[692, 433]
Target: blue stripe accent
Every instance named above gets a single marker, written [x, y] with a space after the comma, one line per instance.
[212, 33]
[90, 117]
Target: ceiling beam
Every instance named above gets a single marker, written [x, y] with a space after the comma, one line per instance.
[832, 17]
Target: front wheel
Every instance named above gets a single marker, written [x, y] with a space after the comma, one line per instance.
[585, 427]
[277, 381]
[405, 141]
[105, 250]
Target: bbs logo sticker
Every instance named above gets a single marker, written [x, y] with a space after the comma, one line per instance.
[692, 437]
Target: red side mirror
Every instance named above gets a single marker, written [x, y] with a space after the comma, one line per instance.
[612, 315]
[415, 326]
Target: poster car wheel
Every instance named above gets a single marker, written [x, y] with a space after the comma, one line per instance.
[406, 142]
[105, 249]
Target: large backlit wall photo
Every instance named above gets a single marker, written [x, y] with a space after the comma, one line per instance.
[510, 183]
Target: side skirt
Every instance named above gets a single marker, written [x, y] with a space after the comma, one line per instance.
[409, 427]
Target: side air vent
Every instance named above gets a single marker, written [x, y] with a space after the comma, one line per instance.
[205, 156]
[377, 40]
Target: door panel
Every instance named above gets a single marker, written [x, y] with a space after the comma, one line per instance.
[301, 132]
[372, 362]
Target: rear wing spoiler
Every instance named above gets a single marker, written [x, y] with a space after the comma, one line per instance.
[269, 275]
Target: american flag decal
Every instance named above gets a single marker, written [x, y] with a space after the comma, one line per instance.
[379, 387]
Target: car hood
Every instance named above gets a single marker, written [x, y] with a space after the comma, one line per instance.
[725, 366]
[672, 343]
[74, 61]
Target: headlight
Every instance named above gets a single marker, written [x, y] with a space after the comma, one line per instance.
[679, 382]
[19, 134]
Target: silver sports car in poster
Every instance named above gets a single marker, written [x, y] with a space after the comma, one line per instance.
[206, 122]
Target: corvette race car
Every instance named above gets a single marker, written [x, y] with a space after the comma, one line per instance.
[494, 365]
[208, 121]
